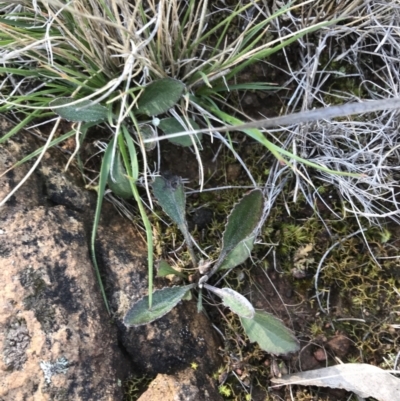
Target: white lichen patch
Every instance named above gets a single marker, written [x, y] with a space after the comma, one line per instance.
[50, 369]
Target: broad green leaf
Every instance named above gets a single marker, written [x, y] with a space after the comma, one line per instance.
[83, 111]
[236, 302]
[239, 232]
[159, 96]
[171, 125]
[238, 254]
[164, 269]
[270, 333]
[118, 181]
[171, 197]
[163, 301]
[243, 220]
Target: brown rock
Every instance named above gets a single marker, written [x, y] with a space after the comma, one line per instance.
[185, 386]
[56, 339]
[54, 334]
[339, 344]
[320, 355]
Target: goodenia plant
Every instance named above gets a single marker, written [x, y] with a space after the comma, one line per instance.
[237, 243]
[120, 168]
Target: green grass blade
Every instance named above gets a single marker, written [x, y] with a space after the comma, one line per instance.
[21, 125]
[104, 172]
[224, 23]
[252, 132]
[274, 149]
[178, 43]
[133, 168]
[204, 91]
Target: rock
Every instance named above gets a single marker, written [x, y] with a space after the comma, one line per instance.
[320, 355]
[339, 345]
[184, 386]
[56, 339]
[169, 344]
[186, 336]
[28, 195]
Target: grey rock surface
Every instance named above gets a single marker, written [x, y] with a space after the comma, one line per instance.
[56, 338]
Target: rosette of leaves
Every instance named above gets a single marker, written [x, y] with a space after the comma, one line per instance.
[238, 240]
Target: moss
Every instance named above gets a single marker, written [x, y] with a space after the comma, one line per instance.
[134, 386]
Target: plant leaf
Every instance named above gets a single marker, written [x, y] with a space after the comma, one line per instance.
[104, 172]
[270, 333]
[236, 302]
[171, 197]
[171, 125]
[238, 254]
[147, 132]
[245, 86]
[159, 96]
[118, 181]
[200, 301]
[163, 301]
[85, 111]
[164, 269]
[133, 168]
[243, 220]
